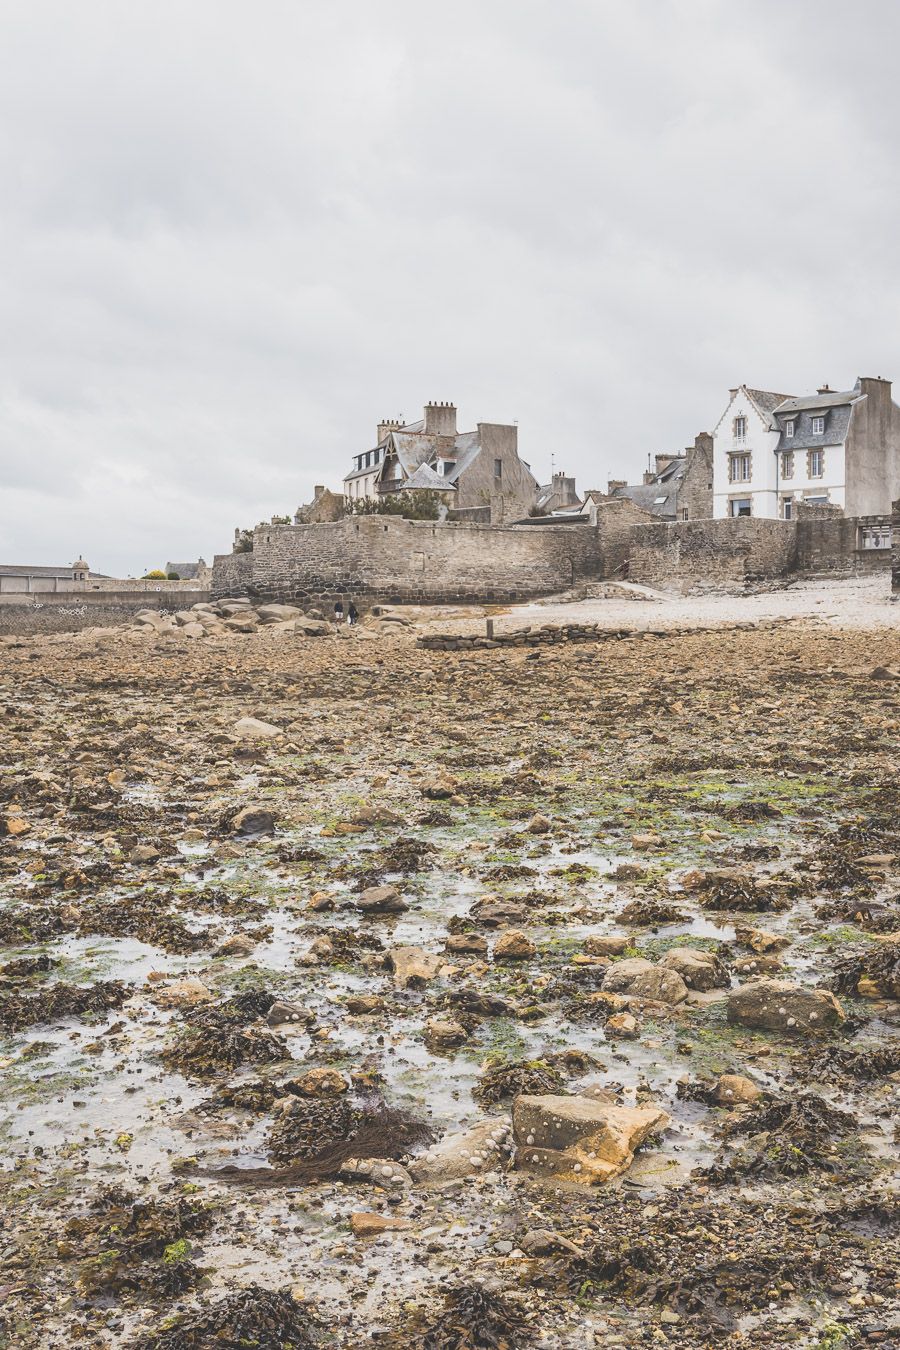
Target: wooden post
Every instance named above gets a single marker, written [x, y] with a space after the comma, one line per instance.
[489, 628]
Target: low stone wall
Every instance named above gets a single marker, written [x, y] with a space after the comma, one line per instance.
[388, 560]
[833, 544]
[727, 554]
[547, 635]
[70, 612]
[895, 553]
[711, 553]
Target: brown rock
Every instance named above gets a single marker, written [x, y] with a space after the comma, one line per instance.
[253, 820]
[539, 825]
[580, 1138]
[641, 979]
[413, 967]
[603, 944]
[733, 1089]
[370, 1225]
[622, 1026]
[699, 969]
[780, 1005]
[186, 993]
[512, 945]
[382, 900]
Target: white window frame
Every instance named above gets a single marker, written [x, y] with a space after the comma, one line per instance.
[817, 426]
[732, 503]
[789, 431]
[745, 458]
[739, 430]
[815, 457]
[787, 464]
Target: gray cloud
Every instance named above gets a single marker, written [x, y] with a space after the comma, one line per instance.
[234, 237]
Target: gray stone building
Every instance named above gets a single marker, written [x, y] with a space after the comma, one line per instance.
[479, 473]
[677, 486]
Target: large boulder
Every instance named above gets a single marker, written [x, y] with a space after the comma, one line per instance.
[244, 622]
[585, 1139]
[699, 969]
[642, 979]
[277, 613]
[781, 1005]
[413, 967]
[312, 627]
[252, 729]
[381, 900]
[253, 820]
[480, 1148]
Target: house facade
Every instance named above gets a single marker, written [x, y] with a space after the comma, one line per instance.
[476, 472]
[838, 449]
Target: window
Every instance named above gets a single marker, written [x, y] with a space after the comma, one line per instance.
[684, 513]
[447, 466]
[740, 429]
[739, 468]
[818, 426]
[815, 463]
[789, 431]
[741, 506]
[787, 508]
[498, 468]
[787, 464]
[875, 536]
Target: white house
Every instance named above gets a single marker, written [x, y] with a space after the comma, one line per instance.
[831, 448]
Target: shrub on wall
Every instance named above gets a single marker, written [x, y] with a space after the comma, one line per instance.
[173, 576]
[422, 504]
[156, 575]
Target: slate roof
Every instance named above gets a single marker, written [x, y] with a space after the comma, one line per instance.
[660, 497]
[425, 477]
[765, 400]
[837, 425]
[11, 570]
[187, 570]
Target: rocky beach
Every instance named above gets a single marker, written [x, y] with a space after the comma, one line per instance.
[358, 992]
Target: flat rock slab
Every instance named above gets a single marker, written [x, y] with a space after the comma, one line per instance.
[582, 1139]
[781, 1005]
[479, 1149]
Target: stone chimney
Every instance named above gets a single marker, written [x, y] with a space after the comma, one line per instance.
[385, 427]
[440, 419]
[318, 490]
[826, 389]
[614, 484]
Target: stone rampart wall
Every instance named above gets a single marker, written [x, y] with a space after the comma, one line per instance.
[711, 553]
[895, 560]
[389, 560]
[70, 612]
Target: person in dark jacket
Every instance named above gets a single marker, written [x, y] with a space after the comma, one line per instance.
[338, 611]
[352, 613]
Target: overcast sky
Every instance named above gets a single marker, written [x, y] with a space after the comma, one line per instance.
[236, 233]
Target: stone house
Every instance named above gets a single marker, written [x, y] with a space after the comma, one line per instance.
[191, 571]
[325, 507]
[677, 486]
[479, 472]
[557, 495]
[832, 448]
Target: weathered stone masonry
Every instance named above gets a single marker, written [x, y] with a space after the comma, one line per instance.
[730, 552]
[70, 612]
[390, 560]
[895, 559]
